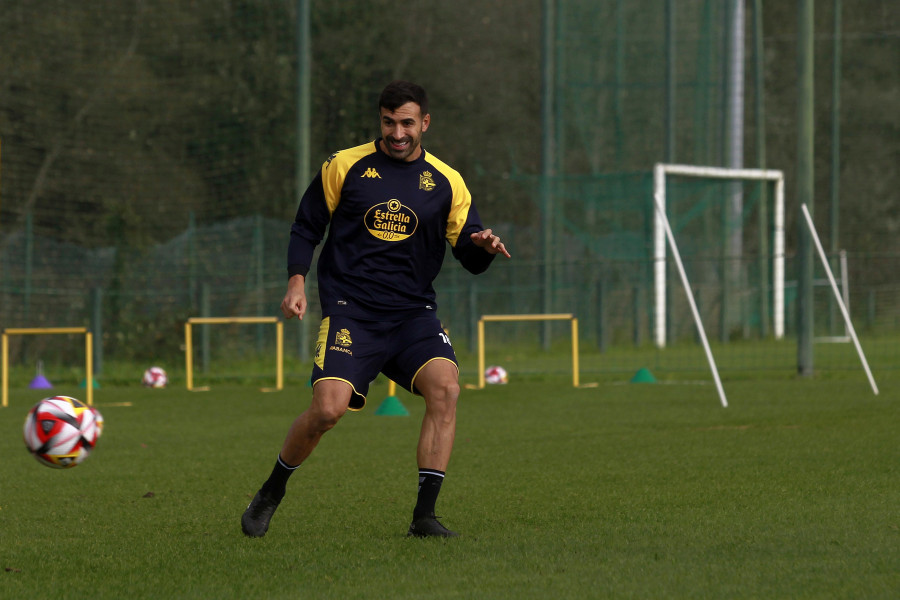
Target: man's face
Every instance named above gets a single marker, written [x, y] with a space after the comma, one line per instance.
[401, 131]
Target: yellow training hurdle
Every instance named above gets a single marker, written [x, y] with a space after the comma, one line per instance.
[189, 349]
[88, 355]
[533, 317]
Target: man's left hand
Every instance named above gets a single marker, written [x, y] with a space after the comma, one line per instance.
[490, 242]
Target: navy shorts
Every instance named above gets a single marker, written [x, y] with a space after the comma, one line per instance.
[356, 351]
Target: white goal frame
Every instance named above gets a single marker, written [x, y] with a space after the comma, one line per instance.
[660, 172]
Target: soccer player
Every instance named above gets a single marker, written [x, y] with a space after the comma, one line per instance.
[390, 209]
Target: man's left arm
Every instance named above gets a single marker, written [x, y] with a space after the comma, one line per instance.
[473, 246]
[476, 247]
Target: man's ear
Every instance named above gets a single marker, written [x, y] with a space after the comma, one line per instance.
[426, 120]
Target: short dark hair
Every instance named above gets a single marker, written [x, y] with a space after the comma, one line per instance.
[398, 93]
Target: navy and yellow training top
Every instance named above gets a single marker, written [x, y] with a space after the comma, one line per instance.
[390, 222]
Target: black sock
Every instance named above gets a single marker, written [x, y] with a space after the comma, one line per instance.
[275, 485]
[430, 481]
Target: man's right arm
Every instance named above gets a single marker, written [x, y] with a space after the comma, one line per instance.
[308, 228]
[294, 303]
[307, 232]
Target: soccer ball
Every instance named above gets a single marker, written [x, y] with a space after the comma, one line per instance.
[495, 375]
[98, 421]
[155, 377]
[60, 431]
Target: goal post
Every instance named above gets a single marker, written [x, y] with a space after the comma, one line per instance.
[189, 349]
[88, 355]
[661, 174]
[844, 285]
[529, 317]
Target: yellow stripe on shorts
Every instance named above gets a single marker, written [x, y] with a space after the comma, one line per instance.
[320, 343]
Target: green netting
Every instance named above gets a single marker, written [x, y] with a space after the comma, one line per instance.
[149, 162]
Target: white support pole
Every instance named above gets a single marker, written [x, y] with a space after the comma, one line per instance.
[837, 295]
[659, 256]
[690, 298]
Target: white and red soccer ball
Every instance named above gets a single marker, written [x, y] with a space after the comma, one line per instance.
[495, 374]
[155, 377]
[60, 431]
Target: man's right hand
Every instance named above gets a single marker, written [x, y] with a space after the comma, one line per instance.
[294, 303]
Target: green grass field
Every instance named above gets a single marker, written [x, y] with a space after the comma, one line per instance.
[618, 491]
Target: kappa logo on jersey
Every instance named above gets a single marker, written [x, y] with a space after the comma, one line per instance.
[426, 182]
[391, 221]
[371, 173]
[330, 158]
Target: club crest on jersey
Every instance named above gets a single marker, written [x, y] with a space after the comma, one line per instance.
[426, 182]
[391, 221]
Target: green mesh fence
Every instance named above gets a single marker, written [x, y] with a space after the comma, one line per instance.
[148, 171]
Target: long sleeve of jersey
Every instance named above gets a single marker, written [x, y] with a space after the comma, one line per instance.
[475, 260]
[388, 225]
[308, 228]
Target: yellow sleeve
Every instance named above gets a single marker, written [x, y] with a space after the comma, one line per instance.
[334, 172]
[460, 202]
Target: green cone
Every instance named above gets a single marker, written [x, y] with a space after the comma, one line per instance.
[643, 376]
[392, 407]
